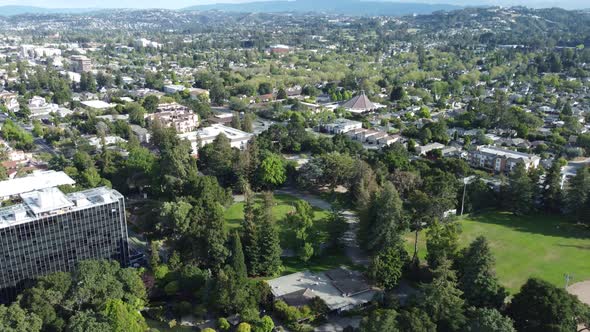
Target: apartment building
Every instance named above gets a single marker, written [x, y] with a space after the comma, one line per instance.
[501, 160]
[177, 116]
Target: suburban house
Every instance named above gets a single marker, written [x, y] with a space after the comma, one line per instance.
[177, 116]
[501, 160]
[238, 139]
[423, 150]
[341, 289]
[172, 88]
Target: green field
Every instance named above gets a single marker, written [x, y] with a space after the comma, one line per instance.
[542, 246]
[284, 204]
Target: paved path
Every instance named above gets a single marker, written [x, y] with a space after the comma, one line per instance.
[353, 251]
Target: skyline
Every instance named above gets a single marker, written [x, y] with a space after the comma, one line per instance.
[178, 4]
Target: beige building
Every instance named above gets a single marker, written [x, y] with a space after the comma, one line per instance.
[177, 116]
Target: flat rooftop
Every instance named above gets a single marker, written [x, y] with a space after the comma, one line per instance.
[51, 201]
[35, 181]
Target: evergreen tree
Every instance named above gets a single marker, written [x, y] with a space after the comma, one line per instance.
[269, 246]
[250, 235]
[477, 278]
[578, 196]
[237, 261]
[213, 236]
[552, 194]
[414, 320]
[441, 299]
[520, 191]
[247, 125]
[384, 225]
[488, 320]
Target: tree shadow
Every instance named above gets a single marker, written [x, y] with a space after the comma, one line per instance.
[548, 225]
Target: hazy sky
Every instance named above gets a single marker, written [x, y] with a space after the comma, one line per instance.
[173, 4]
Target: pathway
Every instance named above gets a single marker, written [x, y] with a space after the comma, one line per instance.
[352, 249]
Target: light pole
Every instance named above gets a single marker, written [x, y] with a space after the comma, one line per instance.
[466, 181]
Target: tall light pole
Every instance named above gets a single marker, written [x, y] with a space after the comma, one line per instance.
[466, 181]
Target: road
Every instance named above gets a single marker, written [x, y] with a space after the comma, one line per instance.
[40, 143]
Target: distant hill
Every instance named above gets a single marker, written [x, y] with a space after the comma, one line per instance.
[20, 10]
[344, 7]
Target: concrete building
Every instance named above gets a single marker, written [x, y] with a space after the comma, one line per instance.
[238, 139]
[501, 160]
[341, 126]
[177, 116]
[80, 63]
[46, 231]
[372, 137]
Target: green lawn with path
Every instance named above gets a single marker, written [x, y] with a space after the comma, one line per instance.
[285, 204]
[543, 246]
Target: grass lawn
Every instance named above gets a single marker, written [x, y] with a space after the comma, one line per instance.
[542, 246]
[284, 204]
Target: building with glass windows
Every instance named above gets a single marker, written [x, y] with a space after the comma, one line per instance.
[45, 231]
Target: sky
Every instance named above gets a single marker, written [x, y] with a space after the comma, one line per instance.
[175, 4]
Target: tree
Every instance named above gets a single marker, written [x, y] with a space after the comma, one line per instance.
[364, 184]
[264, 88]
[488, 320]
[272, 171]
[250, 234]
[136, 113]
[520, 191]
[414, 319]
[441, 242]
[578, 196]
[216, 159]
[282, 94]
[477, 278]
[441, 299]
[301, 223]
[154, 254]
[123, 318]
[380, 320]
[540, 306]
[88, 321]
[383, 225]
[237, 261]
[150, 103]
[386, 267]
[14, 318]
[247, 123]
[397, 93]
[236, 121]
[269, 259]
[266, 324]
[244, 327]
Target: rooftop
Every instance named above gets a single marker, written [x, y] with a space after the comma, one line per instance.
[51, 201]
[340, 289]
[216, 129]
[506, 153]
[36, 181]
[98, 104]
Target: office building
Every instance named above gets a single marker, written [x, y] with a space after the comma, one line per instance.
[238, 139]
[46, 231]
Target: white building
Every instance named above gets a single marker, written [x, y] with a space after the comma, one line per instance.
[341, 126]
[238, 139]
